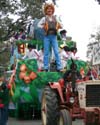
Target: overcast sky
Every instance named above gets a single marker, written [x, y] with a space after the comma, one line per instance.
[80, 18]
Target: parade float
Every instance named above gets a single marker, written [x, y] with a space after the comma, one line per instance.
[31, 89]
[28, 84]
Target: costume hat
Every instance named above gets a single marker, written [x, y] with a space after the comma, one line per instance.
[46, 5]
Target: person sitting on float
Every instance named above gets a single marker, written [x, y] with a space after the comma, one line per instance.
[74, 53]
[22, 35]
[31, 53]
[40, 60]
[92, 74]
[65, 55]
[63, 35]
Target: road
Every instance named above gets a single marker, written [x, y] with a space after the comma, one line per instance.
[35, 122]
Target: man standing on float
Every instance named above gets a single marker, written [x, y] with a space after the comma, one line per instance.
[50, 25]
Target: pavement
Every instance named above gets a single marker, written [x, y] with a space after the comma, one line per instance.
[13, 121]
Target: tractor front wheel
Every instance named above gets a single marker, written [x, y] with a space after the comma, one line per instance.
[65, 118]
[49, 107]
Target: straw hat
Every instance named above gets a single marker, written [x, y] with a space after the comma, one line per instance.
[46, 5]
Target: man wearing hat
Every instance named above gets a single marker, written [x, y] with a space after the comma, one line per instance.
[50, 25]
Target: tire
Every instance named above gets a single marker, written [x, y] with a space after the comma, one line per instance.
[49, 107]
[65, 118]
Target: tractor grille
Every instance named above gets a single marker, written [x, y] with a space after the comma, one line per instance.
[92, 95]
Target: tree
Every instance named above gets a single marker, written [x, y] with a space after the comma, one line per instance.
[21, 10]
[98, 1]
[94, 39]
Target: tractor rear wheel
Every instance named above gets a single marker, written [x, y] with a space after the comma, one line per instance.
[49, 107]
[65, 118]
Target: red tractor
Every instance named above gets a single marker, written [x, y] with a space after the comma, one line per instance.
[71, 98]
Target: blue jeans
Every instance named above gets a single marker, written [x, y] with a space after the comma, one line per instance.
[51, 40]
[4, 115]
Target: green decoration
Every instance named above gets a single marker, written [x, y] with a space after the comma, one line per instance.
[29, 92]
[71, 44]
